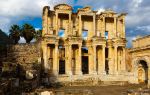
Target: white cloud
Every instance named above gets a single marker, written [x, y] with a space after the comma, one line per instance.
[36, 29]
[12, 11]
[22, 40]
[138, 11]
[24, 7]
[136, 3]
[100, 10]
[144, 28]
[129, 42]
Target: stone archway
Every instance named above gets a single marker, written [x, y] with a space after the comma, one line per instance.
[142, 71]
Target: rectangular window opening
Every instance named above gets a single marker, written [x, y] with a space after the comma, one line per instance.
[106, 34]
[61, 33]
[84, 34]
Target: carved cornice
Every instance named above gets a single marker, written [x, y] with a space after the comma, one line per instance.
[139, 49]
[119, 41]
[63, 7]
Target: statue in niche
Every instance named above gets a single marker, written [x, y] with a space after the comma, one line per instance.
[141, 75]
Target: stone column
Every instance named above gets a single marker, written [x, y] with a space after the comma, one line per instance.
[148, 78]
[78, 69]
[90, 59]
[56, 19]
[116, 59]
[68, 59]
[94, 26]
[80, 26]
[45, 57]
[110, 63]
[115, 28]
[123, 28]
[56, 60]
[70, 25]
[45, 22]
[101, 65]
[48, 52]
[94, 60]
[123, 67]
[103, 28]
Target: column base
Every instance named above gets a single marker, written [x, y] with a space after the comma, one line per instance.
[111, 72]
[102, 73]
[148, 84]
[68, 73]
[55, 73]
[78, 73]
[93, 73]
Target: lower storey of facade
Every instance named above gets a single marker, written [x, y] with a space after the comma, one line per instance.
[78, 61]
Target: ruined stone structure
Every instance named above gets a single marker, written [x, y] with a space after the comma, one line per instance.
[84, 44]
[140, 59]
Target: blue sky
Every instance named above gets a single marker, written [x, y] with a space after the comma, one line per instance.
[27, 11]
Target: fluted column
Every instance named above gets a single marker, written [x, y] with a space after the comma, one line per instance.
[78, 69]
[110, 63]
[56, 19]
[90, 59]
[94, 26]
[123, 28]
[103, 54]
[70, 25]
[68, 59]
[101, 64]
[115, 28]
[45, 57]
[94, 60]
[56, 61]
[103, 28]
[116, 59]
[123, 67]
[80, 26]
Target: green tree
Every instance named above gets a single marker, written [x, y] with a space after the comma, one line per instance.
[28, 32]
[15, 32]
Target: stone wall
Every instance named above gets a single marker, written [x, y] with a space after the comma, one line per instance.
[24, 53]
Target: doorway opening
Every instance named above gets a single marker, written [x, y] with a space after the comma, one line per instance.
[85, 60]
[106, 61]
[61, 66]
[142, 72]
[62, 59]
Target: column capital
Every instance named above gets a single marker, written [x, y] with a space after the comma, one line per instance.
[56, 44]
[80, 45]
[115, 46]
[103, 46]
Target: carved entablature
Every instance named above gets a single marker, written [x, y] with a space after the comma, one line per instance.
[86, 10]
[119, 42]
[99, 41]
[50, 39]
[122, 16]
[108, 13]
[74, 40]
[62, 7]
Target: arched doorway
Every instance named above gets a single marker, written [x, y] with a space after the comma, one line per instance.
[142, 72]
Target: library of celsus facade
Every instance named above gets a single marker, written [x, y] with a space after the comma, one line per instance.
[83, 44]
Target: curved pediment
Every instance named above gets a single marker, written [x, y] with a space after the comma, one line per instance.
[63, 7]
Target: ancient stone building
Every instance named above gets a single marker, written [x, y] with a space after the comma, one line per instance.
[83, 44]
[140, 59]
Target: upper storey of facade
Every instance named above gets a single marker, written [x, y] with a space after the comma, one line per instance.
[84, 23]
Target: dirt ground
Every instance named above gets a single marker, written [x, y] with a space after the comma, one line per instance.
[98, 90]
